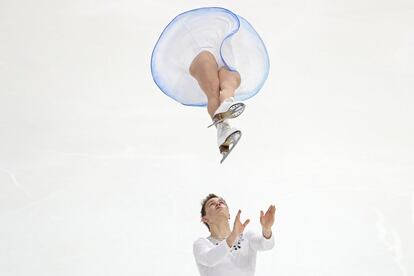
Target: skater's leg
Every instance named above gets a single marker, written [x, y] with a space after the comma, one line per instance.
[229, 82]
[204, 69]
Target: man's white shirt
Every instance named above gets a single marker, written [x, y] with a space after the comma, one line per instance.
[216, 258]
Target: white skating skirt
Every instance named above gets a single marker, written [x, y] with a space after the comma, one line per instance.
[228, 36]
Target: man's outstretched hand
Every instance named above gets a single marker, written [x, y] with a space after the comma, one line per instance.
[266, 220]
[238, 229]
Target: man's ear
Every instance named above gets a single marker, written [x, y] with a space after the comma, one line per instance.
[204, 219]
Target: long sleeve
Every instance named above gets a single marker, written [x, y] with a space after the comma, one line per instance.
[207, 255]
[260, 243]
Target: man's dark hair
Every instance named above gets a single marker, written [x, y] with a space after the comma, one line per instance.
[203, 206]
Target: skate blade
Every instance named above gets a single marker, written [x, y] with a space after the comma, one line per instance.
[234, 111]
[229, 144]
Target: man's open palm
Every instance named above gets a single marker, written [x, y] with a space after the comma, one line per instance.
[238, 227]
[267, 219]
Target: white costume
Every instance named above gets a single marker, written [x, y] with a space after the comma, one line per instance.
[216, 258]
[229, 37]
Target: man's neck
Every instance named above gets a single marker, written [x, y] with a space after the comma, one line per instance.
[220, 231]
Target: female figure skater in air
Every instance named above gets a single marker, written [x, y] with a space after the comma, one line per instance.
[211, 57]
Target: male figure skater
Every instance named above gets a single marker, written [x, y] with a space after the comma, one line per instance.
[230, 252]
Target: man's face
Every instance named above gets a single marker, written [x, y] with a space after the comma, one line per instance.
[216, 208]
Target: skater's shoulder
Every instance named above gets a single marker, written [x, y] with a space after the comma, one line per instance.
[201, 240]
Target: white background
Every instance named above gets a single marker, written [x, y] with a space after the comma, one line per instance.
[102, 174]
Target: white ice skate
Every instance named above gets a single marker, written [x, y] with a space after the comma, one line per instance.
[228, 109]
[227, 138]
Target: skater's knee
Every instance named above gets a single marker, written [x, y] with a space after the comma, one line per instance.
[206, 57]
[204, 61]
[229, 79]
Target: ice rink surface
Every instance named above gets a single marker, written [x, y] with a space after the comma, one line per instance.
[102, 174]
